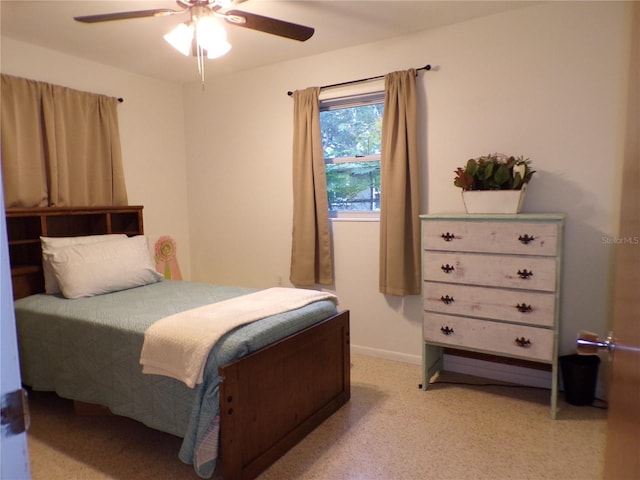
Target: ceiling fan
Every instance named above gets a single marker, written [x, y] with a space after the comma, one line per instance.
[203, 35]
[215, 8]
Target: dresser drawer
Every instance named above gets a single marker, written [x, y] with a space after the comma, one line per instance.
[490, 337]
[532, 308]
[521, 238]
[528, 273]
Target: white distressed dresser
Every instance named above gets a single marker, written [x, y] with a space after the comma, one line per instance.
[492, 285]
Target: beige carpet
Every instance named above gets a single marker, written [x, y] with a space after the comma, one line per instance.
[389, 430]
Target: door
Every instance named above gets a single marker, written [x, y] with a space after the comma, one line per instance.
[14, 462]
[622, 458]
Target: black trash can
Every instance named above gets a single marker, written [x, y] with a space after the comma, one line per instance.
[579, 376]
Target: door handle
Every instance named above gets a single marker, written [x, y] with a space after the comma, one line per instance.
[589, 343]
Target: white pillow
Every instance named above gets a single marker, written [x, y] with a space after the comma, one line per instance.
[50, 244]
[97, 268]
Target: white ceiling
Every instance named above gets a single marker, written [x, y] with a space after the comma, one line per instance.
[137, 45]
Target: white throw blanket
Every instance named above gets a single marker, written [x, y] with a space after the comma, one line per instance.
[178, 346]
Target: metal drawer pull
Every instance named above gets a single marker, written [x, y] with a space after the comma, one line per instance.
[446, 299]
[446, 330]
[526, 238]
[524, 274]
[448, 236]
[523, 342]
[524, 308]
[447, 268]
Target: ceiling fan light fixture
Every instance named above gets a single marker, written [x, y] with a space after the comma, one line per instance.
[218, 50]
[203, 32]
[211, 36]
[181, 37]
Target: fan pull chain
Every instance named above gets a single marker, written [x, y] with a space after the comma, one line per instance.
[200, 54]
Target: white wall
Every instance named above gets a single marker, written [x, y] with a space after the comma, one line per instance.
[545, 81]
[151, 121]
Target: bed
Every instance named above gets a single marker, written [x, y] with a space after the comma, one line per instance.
[266, 384]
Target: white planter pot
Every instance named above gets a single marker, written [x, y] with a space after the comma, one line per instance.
[493, 201]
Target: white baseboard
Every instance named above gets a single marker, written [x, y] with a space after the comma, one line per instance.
[387, 354]
[469, 366]
[480, 368]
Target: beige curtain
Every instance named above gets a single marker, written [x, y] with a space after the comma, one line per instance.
[311, 261]
[60, 147]
[400, 188]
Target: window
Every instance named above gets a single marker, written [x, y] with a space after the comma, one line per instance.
[351, 140]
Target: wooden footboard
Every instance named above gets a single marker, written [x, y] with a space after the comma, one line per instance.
[273, 398]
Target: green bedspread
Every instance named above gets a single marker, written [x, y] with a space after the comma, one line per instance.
[88, 349]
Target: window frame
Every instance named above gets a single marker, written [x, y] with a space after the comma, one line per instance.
[352, 101]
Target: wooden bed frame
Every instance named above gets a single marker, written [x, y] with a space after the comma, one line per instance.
[269, 400]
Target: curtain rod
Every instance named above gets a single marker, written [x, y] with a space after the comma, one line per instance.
[426, 67]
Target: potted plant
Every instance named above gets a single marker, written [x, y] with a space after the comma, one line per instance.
[494, 183]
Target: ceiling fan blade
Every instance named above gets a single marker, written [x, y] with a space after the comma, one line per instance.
[107, 17]
[269, 25]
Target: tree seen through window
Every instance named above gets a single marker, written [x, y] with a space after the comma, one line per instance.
[351, 143]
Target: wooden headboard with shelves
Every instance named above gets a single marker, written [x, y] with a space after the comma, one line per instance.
[25, 226]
